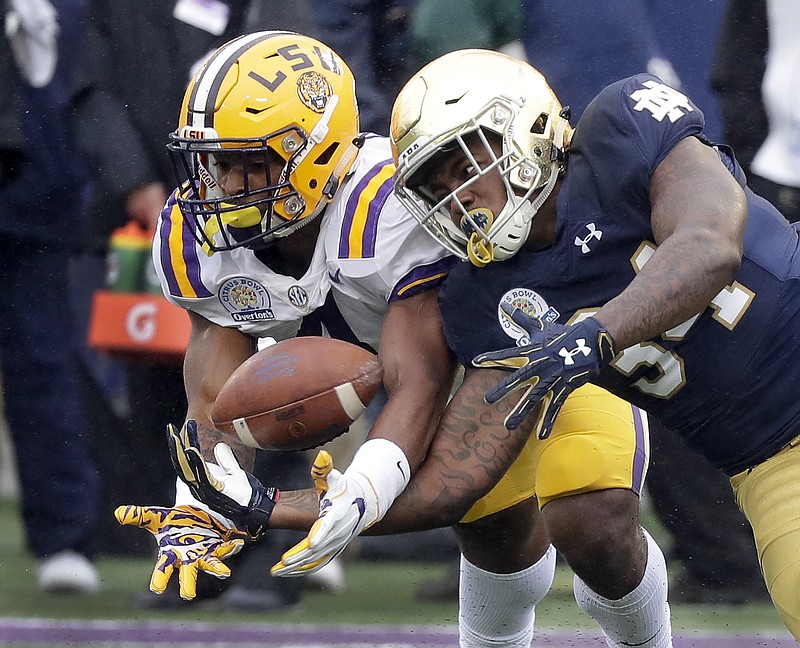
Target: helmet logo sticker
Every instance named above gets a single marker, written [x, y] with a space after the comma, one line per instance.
[328, 60]
[246, 300]
[314, 91]
[532, 304]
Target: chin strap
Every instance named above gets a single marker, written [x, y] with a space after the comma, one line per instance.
[480, 253]
[332, 186]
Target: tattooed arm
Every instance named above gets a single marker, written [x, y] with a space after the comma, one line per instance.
[471, 451]
[698, 215]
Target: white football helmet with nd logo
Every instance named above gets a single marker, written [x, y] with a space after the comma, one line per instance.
[493, 101]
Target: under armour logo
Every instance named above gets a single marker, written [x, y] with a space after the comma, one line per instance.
[583, 243]
[662, 101]
[568, 355]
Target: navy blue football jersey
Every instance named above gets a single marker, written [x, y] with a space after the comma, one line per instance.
[727, 380]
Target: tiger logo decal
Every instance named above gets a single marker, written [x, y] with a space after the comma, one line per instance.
[314, 91]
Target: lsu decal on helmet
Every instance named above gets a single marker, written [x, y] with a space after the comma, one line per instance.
[267, 131]
[484, 98]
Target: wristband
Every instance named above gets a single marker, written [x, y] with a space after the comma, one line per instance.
[385, 466]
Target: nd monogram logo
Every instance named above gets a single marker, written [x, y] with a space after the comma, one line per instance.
[569, 355]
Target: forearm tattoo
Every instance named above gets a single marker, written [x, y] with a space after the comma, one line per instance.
[471, 452]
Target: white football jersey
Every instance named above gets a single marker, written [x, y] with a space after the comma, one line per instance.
[370, 251]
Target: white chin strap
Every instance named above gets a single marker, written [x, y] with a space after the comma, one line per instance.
[509, 237]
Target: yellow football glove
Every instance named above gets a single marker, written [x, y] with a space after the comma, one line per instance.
[288, 565]
[223, 487]
[189, 539]
[349, 502]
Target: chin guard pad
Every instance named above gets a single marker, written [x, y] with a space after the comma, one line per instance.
[238, 218]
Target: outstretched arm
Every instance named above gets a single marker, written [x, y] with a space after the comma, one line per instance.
[698, 217]
[419, 370]
[469, 454]
[190, 537]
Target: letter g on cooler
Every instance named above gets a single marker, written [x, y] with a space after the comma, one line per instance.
[140, 323]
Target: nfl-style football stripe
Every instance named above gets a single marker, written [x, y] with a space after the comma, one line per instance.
[205, 91]
[350, 401]
[363, 209]
[243, 432]
[178, 251]
[423, 278]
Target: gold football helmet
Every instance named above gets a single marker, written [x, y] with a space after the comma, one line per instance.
[485, 97]
[262, 102]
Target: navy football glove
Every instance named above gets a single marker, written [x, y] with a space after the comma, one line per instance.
[224, 487]
[558, 360]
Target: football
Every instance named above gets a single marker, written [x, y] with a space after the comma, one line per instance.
[297, 394]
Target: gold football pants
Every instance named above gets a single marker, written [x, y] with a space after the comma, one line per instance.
[769, 497]
[598, 442]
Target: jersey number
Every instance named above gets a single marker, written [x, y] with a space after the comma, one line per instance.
[729, 306]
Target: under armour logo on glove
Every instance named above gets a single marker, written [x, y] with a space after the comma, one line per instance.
[567, 354]
[558, 360]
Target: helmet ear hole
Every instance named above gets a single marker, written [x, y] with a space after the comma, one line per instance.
[538, 126]
[325, 157]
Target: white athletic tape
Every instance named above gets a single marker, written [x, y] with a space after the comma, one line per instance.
[243, 432]
[350, 401]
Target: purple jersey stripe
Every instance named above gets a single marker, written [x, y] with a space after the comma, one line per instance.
[352, 204]
[166, 263]
[178, 252]
[369, 236]
[640, 454]
[193, 265]
[423, 278]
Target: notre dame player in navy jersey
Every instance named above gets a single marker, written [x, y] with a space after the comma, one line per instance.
[629, 253]
[603, 236]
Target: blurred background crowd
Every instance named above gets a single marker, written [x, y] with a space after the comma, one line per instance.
[97, 85]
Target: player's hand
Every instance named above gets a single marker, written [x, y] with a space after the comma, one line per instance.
[347, 505]
[189, 540]
[224, 487]
[557, 360]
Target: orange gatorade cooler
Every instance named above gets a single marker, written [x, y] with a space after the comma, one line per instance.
[131, 319]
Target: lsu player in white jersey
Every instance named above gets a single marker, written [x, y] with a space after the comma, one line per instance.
[285, 210]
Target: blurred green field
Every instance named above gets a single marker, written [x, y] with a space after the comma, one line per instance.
[376, 593]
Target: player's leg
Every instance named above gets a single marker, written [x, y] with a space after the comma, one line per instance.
[769, 496]
[589, 476]
[507, 566]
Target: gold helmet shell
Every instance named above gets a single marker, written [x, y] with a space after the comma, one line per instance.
[270, 93]
[479, 92]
